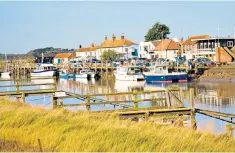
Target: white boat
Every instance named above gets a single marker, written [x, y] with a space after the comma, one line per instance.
[160, 73]
[43, 70]
[86, 74]
[6, 73]
[128, 74]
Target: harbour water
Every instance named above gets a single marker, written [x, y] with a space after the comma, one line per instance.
[218, 97]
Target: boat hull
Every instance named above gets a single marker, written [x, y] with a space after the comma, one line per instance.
[5, 74]
[123, 77]
[43, 73]
[167, 78]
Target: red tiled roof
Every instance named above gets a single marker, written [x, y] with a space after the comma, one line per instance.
[63, 55]
[116, 42]
[190, 41]
[167, 44]
[88, 49]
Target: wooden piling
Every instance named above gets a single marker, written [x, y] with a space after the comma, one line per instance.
[88, 106]
[23, 97]
[54, 101]
[191, 99]
[135, 98]
[229, 130]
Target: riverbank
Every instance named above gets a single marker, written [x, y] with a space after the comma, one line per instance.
[219, 74]
[60, 130]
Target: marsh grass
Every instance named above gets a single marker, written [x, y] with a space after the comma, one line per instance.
[60, 130]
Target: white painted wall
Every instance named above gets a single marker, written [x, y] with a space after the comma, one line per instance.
[149, 46]
[169, 54]
[125, 51]
[84, 55]
[63, 60]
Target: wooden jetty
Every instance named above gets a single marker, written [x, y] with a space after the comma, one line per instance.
[21, 94]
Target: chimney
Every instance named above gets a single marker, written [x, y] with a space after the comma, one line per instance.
[105, 37]
[182, 39]
[114, 37]
[122, 36]
[80, 46]
[92, 45]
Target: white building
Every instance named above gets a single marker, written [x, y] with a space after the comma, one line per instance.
[167, 48]
[87, 52]
[61, 58]
[146, 49]
[124, 47]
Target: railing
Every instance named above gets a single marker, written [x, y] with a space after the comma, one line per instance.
[24, 93]
[168, 98]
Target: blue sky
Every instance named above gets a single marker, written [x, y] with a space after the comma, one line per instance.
[31, 25]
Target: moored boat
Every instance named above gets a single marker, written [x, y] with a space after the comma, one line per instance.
[160, 73]
[43, 70]
[128, 74]
[87, 74]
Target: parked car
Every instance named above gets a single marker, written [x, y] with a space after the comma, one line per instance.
[203, 62]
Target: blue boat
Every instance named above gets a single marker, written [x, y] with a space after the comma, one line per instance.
[160, 73]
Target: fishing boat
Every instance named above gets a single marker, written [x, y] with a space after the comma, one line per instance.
[87, 74]
[160, 73]
[128, 74]
[44, 70]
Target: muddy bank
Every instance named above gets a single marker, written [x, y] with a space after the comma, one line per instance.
[218, 75]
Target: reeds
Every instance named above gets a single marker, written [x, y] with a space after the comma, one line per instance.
[60, 130]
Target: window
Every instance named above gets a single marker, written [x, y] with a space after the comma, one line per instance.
[230, 43]
[146, 48]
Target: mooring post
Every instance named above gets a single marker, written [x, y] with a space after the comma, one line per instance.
[54, 81]
[229, 130]
[17, 86]
[191, 99]
[135, 98]
[23, 97]
[54, 101]
[40, 145]
[88, 106]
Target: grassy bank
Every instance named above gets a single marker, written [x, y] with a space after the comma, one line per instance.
[60, 130]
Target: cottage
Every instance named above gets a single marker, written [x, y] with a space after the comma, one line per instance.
[189, 46]
[146, 49]
[62, 58]
[167, 48]
[85, 53]
[124, 47]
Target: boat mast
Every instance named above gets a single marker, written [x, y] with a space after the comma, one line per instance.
[42, 58]
[6, 62]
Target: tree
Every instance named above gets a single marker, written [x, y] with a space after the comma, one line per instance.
[109, 55]
[157, 31]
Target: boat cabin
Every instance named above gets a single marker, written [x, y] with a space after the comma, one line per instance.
[128, 70]
[45, 67]
[159, 69]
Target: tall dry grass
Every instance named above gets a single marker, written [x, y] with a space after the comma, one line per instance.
[60, 130]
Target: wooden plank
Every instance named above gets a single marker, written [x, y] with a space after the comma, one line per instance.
[215, 113]
[27, 79]
[112, 102]
[23, 85]
[27, 92]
